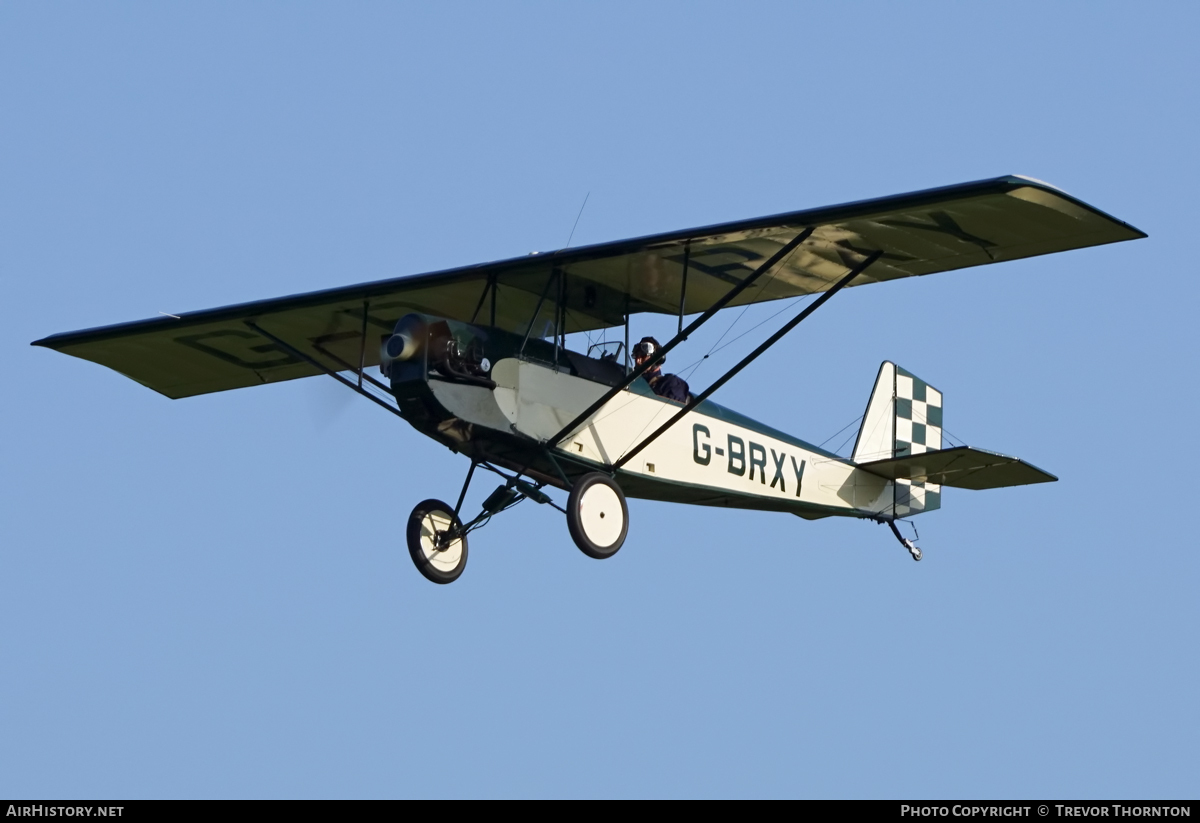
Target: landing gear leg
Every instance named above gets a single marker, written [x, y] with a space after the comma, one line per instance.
[437, 536]
[466, 483]
[905, 542]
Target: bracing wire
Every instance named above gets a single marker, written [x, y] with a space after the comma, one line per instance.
[745, 308]
[845, 443]
[588, 334]
[572, 235]
[954, 438]
[791, 305]
[839, 431]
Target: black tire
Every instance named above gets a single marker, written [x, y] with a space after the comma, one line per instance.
[439, 565]
[589, 505]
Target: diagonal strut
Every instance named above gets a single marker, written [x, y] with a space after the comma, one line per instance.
[772, 340]
[777, 257]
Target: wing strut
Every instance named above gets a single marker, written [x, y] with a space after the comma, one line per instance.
[777, 257]
[538, 310]
[771, 341]
[687, 253]
[316, 364]
[362, 348]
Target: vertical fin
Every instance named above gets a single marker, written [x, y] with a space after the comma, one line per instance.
[903, 418]
[876, 437]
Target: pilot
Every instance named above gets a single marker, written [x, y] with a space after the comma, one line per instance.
[669, 386]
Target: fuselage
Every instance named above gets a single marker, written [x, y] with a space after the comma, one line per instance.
[493, 396]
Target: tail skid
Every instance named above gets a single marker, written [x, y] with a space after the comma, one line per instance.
[904, 541]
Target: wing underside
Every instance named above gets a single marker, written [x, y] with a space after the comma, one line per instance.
[955, 227]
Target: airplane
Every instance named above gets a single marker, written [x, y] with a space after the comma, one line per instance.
[476, 358]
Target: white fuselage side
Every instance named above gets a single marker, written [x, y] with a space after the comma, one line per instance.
[702, 451]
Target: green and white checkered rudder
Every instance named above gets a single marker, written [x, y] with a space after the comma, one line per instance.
[918, 415]
[903, 418]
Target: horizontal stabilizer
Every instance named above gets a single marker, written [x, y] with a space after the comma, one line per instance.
[961, 467]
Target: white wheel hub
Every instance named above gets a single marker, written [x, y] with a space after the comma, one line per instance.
[444, 560]
[601, 515]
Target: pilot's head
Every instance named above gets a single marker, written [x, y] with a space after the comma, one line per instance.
[646, 347]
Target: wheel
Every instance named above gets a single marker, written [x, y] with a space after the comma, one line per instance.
[597, 516]
[916, 553]
[441, 564]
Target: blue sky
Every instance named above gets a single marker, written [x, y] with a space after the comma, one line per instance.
[211, 597]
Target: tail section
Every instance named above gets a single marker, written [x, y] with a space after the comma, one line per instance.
[903, 418]
[901, 441]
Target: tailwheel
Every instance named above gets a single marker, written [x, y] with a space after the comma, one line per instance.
[438, 558]
[904, 541]
[597, 516]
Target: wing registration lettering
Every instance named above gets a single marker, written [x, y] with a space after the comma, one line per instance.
[943, 223]
[234, 347]
[717, 263]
